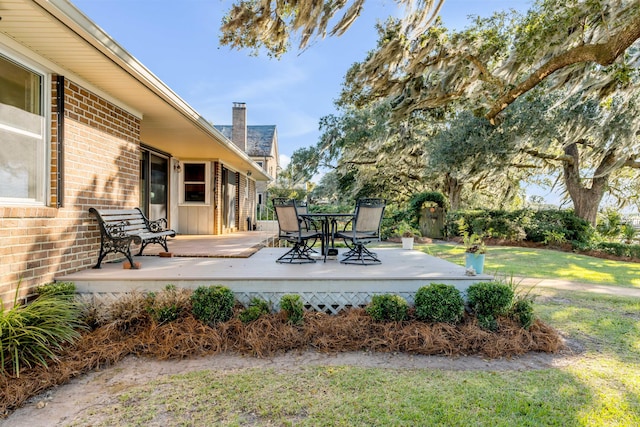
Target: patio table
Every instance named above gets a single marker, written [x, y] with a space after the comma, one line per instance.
[328, 223]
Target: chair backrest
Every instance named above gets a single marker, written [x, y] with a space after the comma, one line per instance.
[287, 215]
[301, 209]
[368, 216]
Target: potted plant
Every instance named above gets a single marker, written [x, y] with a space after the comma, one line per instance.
[474, 249]
[407, 234]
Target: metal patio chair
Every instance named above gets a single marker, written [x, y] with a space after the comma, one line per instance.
[365, 228]
[306, 224]
[292, 230]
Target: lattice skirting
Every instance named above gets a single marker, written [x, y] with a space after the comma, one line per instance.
[328, 302]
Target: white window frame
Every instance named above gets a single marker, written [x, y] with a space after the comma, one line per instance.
[43, 148]
[207, 183]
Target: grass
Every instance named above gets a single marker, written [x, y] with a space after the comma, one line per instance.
[526, 262]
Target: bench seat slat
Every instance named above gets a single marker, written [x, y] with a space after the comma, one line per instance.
[120, 218]
[108, 212]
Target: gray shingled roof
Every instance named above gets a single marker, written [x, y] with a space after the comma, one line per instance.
[259, 138]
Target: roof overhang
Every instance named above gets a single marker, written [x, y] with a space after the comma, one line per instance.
[75, 46]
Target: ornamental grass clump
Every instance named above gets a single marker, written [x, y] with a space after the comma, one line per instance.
[32, 334]
[212, 304]
[439, 302]
[293, 308]
[388, 308]
[488, 301]
[257, 308]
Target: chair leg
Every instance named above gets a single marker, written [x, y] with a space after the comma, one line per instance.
[296, 255]
[360, 255]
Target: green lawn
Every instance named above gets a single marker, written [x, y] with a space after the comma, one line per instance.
[539, 263]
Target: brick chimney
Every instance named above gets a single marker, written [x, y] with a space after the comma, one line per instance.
[239, 125]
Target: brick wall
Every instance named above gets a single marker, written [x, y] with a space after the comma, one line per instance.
[101, 169]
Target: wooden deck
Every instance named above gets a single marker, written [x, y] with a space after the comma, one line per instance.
[328, 286]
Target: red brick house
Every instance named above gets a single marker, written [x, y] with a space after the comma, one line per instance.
[84, 124]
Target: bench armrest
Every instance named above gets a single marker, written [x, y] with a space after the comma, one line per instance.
[158, 225]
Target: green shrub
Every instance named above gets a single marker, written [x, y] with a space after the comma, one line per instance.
[523, 312]
[168, 305]
[57, 288]
[31, 334]
[628, 232]
[487, 322]
[488, 300]
[388, 307]
[257, 307]
[439, 302]
[619, 249]
[292, 305]
[554, 238]
[523, 224]
[559, 222]
[609, 224]
[212, 304]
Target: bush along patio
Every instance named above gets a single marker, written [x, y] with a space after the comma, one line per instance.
[492, 320]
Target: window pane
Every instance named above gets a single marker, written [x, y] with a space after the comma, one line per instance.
[21, 154]
[194, 172]
[23, 171]
[158, 181]
[194, 192]
[20, 87]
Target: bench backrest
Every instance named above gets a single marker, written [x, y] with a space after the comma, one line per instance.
[131, 220]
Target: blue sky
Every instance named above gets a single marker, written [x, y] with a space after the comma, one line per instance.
[178, 42]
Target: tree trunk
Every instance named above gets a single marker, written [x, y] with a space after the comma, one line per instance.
[454, 191]
[586, 200]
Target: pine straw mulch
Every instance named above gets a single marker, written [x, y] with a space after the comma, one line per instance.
[352, 330]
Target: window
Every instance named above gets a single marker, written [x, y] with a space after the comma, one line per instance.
[195, 183]
[23, 142]
[260, 164]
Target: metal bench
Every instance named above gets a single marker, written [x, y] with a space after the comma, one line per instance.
[121, 227]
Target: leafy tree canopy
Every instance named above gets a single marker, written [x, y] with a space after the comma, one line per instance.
[270, 25]
[585, 43]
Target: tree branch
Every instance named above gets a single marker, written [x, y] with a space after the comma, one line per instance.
[632, 163]
[484, 72]
[360, 162]
[545, 156]
[601, 53]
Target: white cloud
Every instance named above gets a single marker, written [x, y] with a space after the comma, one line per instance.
[284, 160]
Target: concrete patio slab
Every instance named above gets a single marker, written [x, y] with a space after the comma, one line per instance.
[321, 284]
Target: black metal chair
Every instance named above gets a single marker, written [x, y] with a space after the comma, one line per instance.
[365, 228]
[306, 224]
[292, 230]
